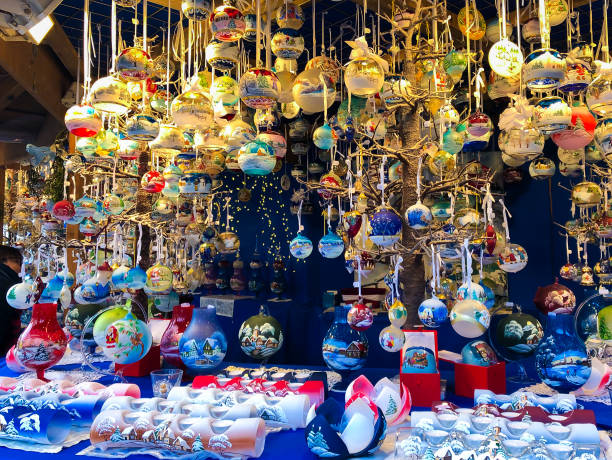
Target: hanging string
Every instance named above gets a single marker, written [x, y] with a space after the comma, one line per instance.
[299, 217]
[505, 214]
[86, 48]
[398, 264]
[433, 270]
[418, 179]
[381, 185]
[144, 27]
[139, 245]
[113, 33]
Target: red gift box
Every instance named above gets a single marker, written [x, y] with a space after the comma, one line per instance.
[424, 387]
[469, 377]
[142, 368]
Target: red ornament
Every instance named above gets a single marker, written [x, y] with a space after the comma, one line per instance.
[329, 179]
[63, 210]
[555, 298]
[490, 239]
[580, 132]
[181, 317]
[153, 182]
[360, 317]
[43, 342]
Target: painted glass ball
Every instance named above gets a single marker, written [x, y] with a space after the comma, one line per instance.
[104, 320]
[113, 204]
[290, 15]
[287, 43]
[310, 88]
[127, 340]
[136, 278]
[555, 298]
[256, 158]
[300, 246]
[134, 64]
[196, 10]
[63, 210]
[191, 110]
[110, 95]
[517, 336]
[227, 242]
[83, 120]
[478, 124]
[227, 23]
[391, 339]
[385, 227]
[470, 318]
[551, 114]
[364, 77]
[513, 258]
[21, 295]
[152, 182]
[259, 88]
[580, 130]
[324, 137]
[433, 312]
[85, 207]
[360, 317]
[478, 353]
[275, 140]
[397, 313]
[221, 55]
[260, 336]
[331, 245]
[159, 278]
[472, 291]
[418, 216]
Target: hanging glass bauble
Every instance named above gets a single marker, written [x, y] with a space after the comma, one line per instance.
[224, 91]
[364, 77]
[107, 142]
[300, 246]
[573, 171]
[344, 348]
[203, 344]
[542, 168]
[196, 10]
[87, 146]
[259, 88]
[308, 90]
[441, 162]
[85, 207]
[110, 95]
[478, 353]
[455, 63]
[591, 153]
[478, 124]
[63, 210]
[130, 149]
[556, 11]
[159, 278]
[88, 227]
[543, 70]
[152, 182]
[525, 143]
[250, 31]
[397, 313]
[471, 18]
[168, 142]
[192, 110]
[256, 158]
[127, 340]
[276, 141]
[287, 43]
[331, 245]
[570, 157]
[551, 114]
[136, 89]
[498, 86]
[493, 31]
[512, 259]
[599, 92]
[286, 80]
[326, 65]
[586, 194]
[83, 120]
[113, 204]
[472, 291]
[172, 173]
[328, 180]
[227, 242]
[160, 101]
[580, 131]
[142, 127]
[164, 208]
[360, 317]
[260, 336]
[452, 141]
[324, 137]
[391, 339]
[433, 312]
[561, 358]
[470, 318]
[506, 58]
[222, 55]
[603, 136]
[134, 64]
[418, 216]
[517, 335]
[384, 227]
[227, 23]
[555, 298]
[290, 15]
[577, 78]
[531, 30]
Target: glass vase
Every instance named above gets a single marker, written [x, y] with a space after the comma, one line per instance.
[203, 345]
[561, 358]
[344, 348]
[43, 342]
[169, 345]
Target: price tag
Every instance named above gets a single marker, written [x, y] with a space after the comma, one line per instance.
[224, 306]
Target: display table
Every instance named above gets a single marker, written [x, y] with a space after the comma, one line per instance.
[277, 444]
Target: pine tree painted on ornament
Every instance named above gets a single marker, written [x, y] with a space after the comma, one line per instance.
[391, 407]
[116, 436]
[197, 445]
[10, 429]
[318, 446]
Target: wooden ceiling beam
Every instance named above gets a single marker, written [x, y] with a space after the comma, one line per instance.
[37, 71]
[62, 47]
[174, 4]
[9, 91]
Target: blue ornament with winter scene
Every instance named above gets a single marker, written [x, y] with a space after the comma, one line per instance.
[385, 227]
[203, 344]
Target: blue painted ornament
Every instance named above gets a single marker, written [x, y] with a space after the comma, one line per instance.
[300, 247]
[331, 245]
[478, 353]
[136, 278]
[418, 216]
[385, 227]
[432, 312]
[323, 137]
[52, 291]
[97, 289]
[85, 207]
[119, 277]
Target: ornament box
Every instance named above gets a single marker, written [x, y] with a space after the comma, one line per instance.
[423, 382]
[469, 377]
[142, 368]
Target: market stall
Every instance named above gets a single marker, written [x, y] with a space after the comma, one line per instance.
[323, 229]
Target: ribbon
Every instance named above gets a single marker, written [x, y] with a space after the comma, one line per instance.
[479, 84]
[357, 283]
[398, 263]
[567, 249]
[506, 214]
[360, 49]
[418, 179]
[381, 185]
[299, 217]
[487, 206]
[434, 262]
[139, 245]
